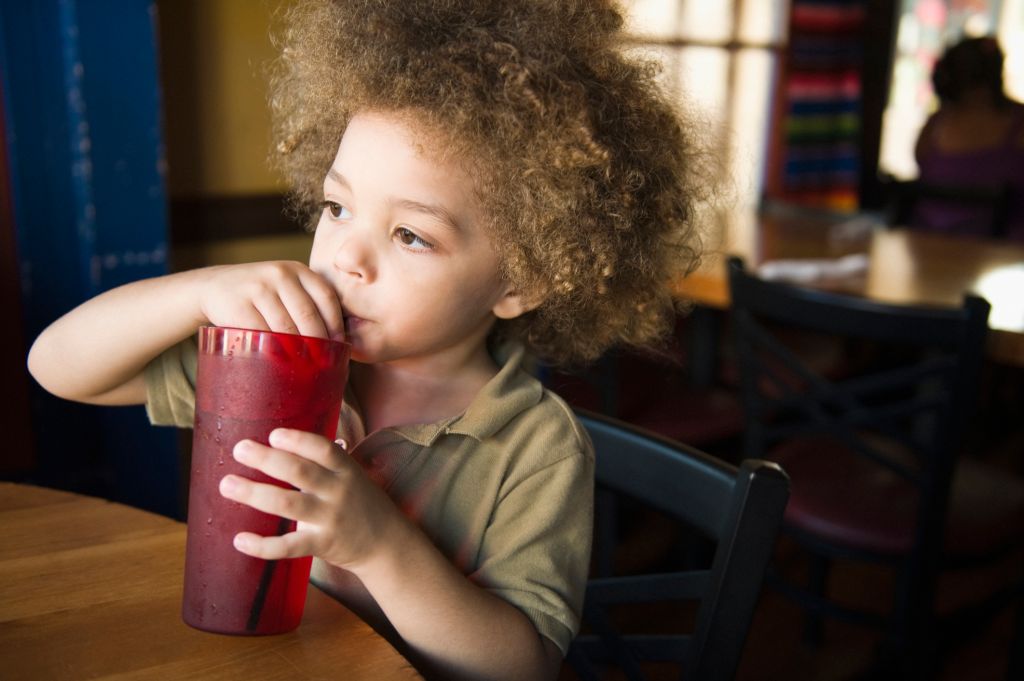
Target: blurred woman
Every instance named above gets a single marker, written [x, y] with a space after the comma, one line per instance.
[974, 140]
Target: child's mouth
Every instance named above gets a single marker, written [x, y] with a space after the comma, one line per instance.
[352, 323]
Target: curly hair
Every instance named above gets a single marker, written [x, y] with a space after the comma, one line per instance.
[588, 174]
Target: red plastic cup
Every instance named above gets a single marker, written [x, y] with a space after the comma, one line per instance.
[247, 384]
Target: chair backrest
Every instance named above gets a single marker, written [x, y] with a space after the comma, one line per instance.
[944, 349]
[906, 411]
[990, 204]
[739, 510]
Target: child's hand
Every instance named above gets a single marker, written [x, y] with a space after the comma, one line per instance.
[343, 516]
[282, 295]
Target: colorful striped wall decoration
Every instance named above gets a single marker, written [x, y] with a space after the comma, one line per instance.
[820, 126]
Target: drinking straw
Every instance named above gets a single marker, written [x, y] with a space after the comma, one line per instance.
[261, 592]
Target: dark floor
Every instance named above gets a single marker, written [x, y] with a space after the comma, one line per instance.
[775, 649]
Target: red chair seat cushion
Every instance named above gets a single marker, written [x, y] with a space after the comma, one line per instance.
[845, 499]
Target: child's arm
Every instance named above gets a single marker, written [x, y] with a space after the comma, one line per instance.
[455, 629]
[97, 352]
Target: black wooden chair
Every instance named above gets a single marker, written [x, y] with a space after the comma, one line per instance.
[739, 510]
[873, 457]
[989, 204]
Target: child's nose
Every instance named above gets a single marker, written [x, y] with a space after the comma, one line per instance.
[354, 256]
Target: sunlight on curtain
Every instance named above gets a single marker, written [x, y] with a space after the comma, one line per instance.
[763, 22]
[751, 120]
[706, 20]
[719, 58]
[703, 76]
[1011, 37]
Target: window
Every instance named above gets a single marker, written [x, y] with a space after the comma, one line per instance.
[926, 28]
[720, 57]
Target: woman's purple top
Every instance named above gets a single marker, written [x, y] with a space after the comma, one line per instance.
[997, 166]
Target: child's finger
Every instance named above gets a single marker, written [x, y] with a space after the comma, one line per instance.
[245, 317]
[313, 447]
[282, 464]
[302, 309]
[290, 545]
[327, 303]
[275, 313]
[271, 499]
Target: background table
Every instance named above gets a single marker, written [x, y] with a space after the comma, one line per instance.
[91, 589]
[904, 266]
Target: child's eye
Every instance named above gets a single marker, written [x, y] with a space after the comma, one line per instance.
[409, 238]
[337, 211]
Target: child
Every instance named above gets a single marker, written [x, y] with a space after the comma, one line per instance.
[484, 176]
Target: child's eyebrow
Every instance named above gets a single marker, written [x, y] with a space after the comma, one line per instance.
[438, 212]
[338, 177]
[434, 210]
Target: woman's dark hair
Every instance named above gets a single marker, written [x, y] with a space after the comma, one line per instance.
[968, 64]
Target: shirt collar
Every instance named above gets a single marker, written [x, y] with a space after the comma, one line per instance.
[505, 396]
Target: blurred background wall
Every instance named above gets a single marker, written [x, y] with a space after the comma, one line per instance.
[225, 200]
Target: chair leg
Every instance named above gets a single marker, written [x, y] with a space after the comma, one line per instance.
[817, 584]
[909, 650]
[606, 531]
[579, 664]
[703, 334]
[1015, 663]
[607, 371]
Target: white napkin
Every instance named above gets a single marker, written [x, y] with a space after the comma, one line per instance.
[808, 270]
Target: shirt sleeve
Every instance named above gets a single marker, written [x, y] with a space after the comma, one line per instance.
[537, 545]
[170, 386]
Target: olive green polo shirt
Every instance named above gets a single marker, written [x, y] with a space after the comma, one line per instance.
[504, 490]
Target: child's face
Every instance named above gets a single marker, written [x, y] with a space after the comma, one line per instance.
[400, 239]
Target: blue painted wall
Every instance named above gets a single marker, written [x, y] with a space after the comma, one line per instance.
[81, 91]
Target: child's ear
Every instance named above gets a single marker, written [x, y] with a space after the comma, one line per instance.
[512, 304]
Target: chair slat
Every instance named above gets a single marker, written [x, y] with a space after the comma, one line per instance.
[648, 588]
[644, 648]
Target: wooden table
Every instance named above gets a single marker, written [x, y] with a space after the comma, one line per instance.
[904, 267]
[91, 589]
